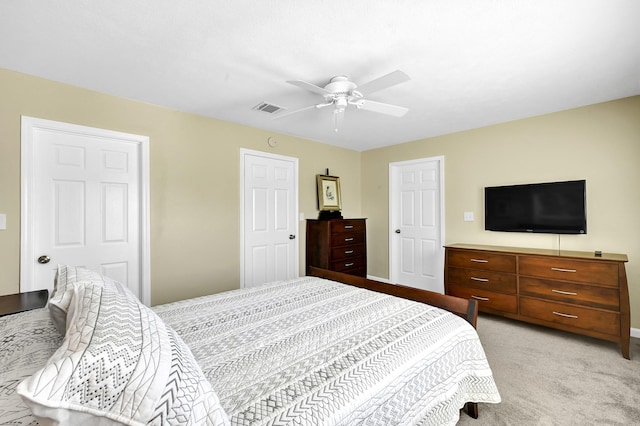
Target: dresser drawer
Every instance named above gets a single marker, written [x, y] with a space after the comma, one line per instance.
[482, 260]
[355, 226]
[487, 280]
[487, 300]
[348, 251]
[606, 322]
[585, 271]
[347, 238]
[593, 296]
[346, 265]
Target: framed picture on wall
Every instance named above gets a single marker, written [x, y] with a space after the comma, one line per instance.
[328, 193]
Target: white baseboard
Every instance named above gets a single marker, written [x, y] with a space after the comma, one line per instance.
[384, 280]
[635, 332]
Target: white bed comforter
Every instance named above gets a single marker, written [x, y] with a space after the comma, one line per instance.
[315, 352]
[27, 340]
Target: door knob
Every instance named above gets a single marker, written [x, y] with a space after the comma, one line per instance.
[292, 237]
[397, 231]
[44, 259]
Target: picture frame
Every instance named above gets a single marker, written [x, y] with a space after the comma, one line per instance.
[329, 198]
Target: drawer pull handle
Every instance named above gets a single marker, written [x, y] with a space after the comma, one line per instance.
[348, 239]
[484, 299]
[560, 314]
[348, 226]
[348, 251]
[348, 264]
[568, 293]
[482, 280]
[563, 270]
[479, 260]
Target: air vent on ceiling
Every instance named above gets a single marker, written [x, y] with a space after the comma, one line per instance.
[267, 107]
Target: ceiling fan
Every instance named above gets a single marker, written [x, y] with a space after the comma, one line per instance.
[342, 92]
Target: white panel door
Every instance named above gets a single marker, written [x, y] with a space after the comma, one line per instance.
[415, 223]
[82, 193]
[269, 218]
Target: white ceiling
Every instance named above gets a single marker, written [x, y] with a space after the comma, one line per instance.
[472, 63]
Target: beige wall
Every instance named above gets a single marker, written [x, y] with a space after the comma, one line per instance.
[195, 180]
[599, 143]
[195, 184]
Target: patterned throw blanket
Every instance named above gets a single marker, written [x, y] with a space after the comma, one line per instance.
[316, 352]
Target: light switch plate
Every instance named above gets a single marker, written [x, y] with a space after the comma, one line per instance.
[3, 221]
[468, 216]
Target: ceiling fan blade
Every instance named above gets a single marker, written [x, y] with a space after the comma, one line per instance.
[382, 108]
[295, 111]
[338, 118]
[310, 87]
[383, 82]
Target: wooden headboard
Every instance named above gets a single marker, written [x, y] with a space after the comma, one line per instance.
[465, 308]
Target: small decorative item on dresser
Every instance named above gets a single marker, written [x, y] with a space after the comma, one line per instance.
[329, 193]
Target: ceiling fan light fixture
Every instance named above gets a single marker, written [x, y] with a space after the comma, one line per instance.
[341, 103]
[337, 117]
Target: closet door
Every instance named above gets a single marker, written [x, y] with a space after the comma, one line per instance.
[415, 223]
[269, 240]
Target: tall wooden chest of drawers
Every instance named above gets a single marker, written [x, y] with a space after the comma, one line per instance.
[338, 245]
[571, 291]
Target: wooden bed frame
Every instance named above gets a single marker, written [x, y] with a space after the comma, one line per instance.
[465, 308]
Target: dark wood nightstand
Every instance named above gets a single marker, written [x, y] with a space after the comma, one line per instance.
[20, 302]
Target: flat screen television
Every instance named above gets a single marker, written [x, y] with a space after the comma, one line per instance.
[553, 207]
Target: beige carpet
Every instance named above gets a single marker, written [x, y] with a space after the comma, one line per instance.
[549, 377]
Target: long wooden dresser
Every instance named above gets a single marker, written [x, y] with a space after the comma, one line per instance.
[338, 245]
[568, 290]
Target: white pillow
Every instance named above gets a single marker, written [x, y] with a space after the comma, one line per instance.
[120, 364]
[66, 276]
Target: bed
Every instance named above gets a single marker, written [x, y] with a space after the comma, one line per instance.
[310, 351]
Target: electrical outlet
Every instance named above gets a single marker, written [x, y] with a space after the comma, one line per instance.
[3, 221]
[468, 216]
